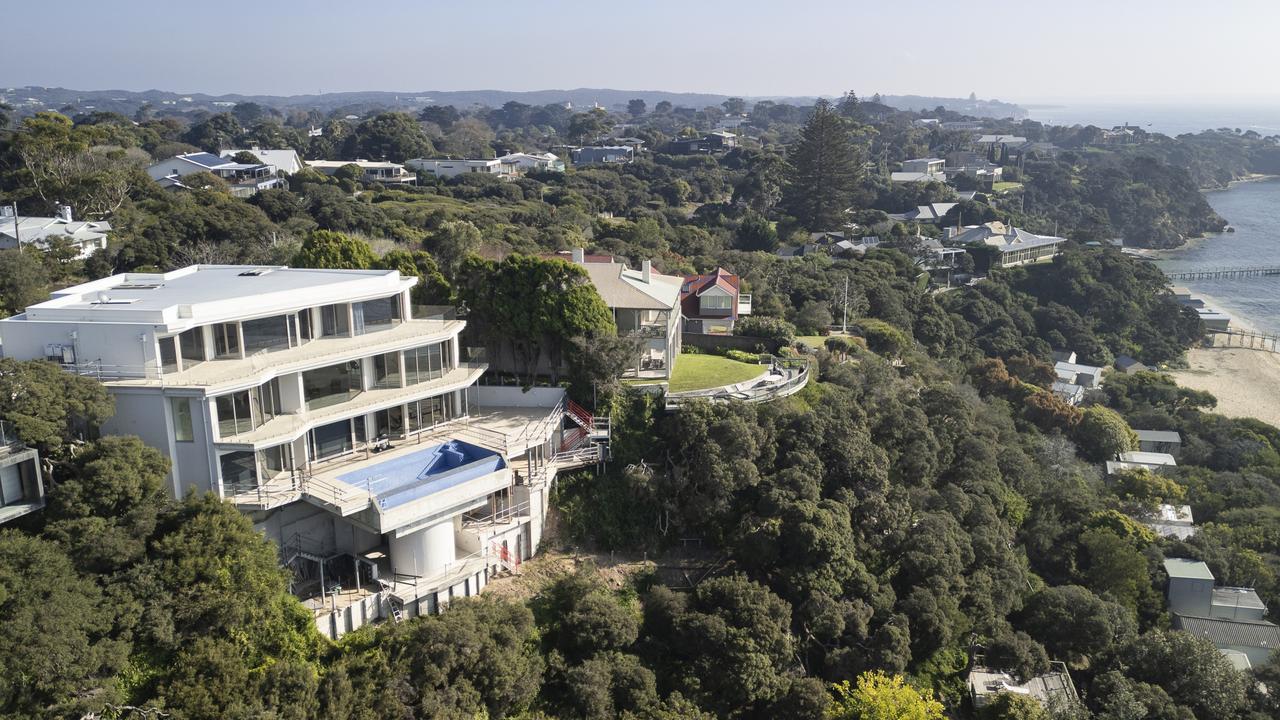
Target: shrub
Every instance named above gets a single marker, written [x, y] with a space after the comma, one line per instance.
[769, 328]
[742, 356]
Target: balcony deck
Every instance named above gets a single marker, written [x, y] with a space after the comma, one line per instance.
[262, 366]
[510, 431]
[287, 427]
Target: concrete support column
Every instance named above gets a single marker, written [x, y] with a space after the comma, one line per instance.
[425, 551]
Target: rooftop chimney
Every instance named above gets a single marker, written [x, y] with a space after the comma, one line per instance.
[579, 257]
[646, 271]
[64, 212]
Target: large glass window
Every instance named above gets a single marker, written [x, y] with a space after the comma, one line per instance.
[277, 459]
[334, 321]
[374, 315]
[267, 400]
[330, 440]
[234, 415]
[429, 362]
[386, 370]
[169, 354]
[191, 347]
[716, 303]
[181, 408]
[429, 412]
[304, 326]
[389, 423]
[239, 468]
[331, 385]
[226, 340]
[266, 334]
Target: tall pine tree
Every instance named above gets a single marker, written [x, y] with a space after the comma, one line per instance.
[824, 167]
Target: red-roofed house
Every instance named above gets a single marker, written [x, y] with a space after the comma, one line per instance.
[712, 303]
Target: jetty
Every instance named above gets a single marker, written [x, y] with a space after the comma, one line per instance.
[1269, 342]
[1225, 273]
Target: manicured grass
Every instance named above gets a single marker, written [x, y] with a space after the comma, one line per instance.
[1005, 186]
[699, 372]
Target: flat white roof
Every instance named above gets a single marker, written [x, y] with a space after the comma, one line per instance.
[201, 294]
[1148, 458]
[1184, 568]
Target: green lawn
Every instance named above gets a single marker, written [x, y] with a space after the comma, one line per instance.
[699, 372]
[1001, 187]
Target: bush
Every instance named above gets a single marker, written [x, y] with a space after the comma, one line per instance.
[769, 328]
[742, 356]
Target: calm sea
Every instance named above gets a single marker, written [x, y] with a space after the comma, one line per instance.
[1253, 209]
[1168, 119]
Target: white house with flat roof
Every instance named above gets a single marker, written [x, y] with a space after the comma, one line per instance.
[380, 171]
[447, 168]
[344, 420]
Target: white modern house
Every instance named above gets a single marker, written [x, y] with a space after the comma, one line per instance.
[379, 171]
[524, 162]
[88, 236]
[447, 168]
[345, 421]
[920, 170]
[245, 179]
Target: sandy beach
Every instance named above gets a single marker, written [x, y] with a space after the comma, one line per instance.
[1246, 382]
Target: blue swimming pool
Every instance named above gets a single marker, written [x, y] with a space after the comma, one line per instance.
[427, 471]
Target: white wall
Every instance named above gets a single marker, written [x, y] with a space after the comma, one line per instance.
[425, 551]
[498, 396]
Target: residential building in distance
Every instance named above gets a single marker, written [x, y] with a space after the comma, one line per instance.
[378, 171]
[1015, 246]
[602, 154]
[245, 179]
[88, 236]
[920, 170]
[932, 213]
[522, 163]
[1052, 690]
[1160, 441]
[1171, 521]
[286, 161]
[1229, 617]
[1086, 376]
[997, 142]
[645, 305]
[346, 422]
[1129, 365]
[21, 483]
[712, 303]
[1138, 460]
[714, 141]
[446, 168]
[1071, 393]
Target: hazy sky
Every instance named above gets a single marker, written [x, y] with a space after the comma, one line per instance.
[1007, 49]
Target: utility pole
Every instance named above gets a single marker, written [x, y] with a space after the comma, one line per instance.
[16, 238]
[844, 323]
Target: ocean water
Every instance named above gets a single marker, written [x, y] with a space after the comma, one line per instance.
[1253, 209]
[1162, 118]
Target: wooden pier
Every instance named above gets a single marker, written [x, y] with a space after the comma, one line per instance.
[1267, 342]
[1224, 273]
